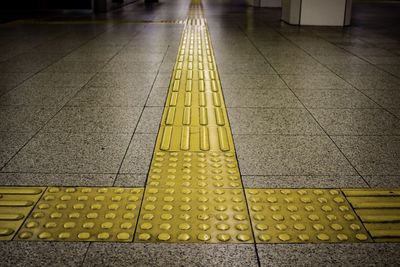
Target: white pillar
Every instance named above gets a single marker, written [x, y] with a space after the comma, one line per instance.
[317, 12]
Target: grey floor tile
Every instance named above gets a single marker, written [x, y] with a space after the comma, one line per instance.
[357, 121]
[10, 144]
[111, 96]
[327, 52]
[29, 62]
[131, 180]
[368, 254]
[71, 153]
[139, 254]
[130, 56]
[58, 79]
[396, 112]
[377, 82]
[385, 181]
[131, 67]
[393, 69]
[372, 155]
[67, 66]
[38, 95]
[301, 181]
[22, 253]
[150, 120]
[351, 69]
[347, 59]
[157, 97]
[24, 118]
[163, 80]
[166, 67]
[89, 56]
[368, 51]
[57, 179]
[136, 80]
[294, 58]
[95, 120]
[252, 67]
[341, 98]
[242, 81]
[290, 155]
[269, 98]
[395, 60]
[387, 98]
[273, 121]
[139, 155]
[10, 80]
[290, 68]
[315, 81]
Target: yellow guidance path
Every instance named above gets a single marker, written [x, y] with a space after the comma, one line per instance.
[194, 191]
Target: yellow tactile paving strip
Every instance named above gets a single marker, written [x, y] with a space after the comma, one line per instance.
[84, 214]
[194, 170]
[194, 191]
[15, 205]
[194, 215]
[303, 215]
[379, 210]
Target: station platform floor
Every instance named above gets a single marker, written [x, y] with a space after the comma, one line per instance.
[200, 133]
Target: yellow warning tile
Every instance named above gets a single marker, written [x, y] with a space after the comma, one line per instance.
[84, 214]
[194, 215]
[195, 116]
[15, 205]
[303, 216]
[195, 170]
[379, 210]
[200, 139]
[195, 99]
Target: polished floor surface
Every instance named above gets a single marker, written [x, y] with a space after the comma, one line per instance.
[82, 101]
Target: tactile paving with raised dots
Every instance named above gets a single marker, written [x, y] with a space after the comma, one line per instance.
[196, 170]
[303, 215]
[194, 215]
[84, 214]
[379, 210]
[15, 204]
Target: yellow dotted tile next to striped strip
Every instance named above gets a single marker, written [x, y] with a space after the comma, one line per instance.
[84, 214]
[302, 216]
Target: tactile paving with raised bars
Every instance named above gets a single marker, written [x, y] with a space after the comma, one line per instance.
[195, 117]
[194, 215]
[84, 214]
[195, 170]
[199, 139]
[379, 210]
[15, 205]
[303, 216]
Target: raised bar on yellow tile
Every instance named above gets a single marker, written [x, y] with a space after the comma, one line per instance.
[15, 205]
